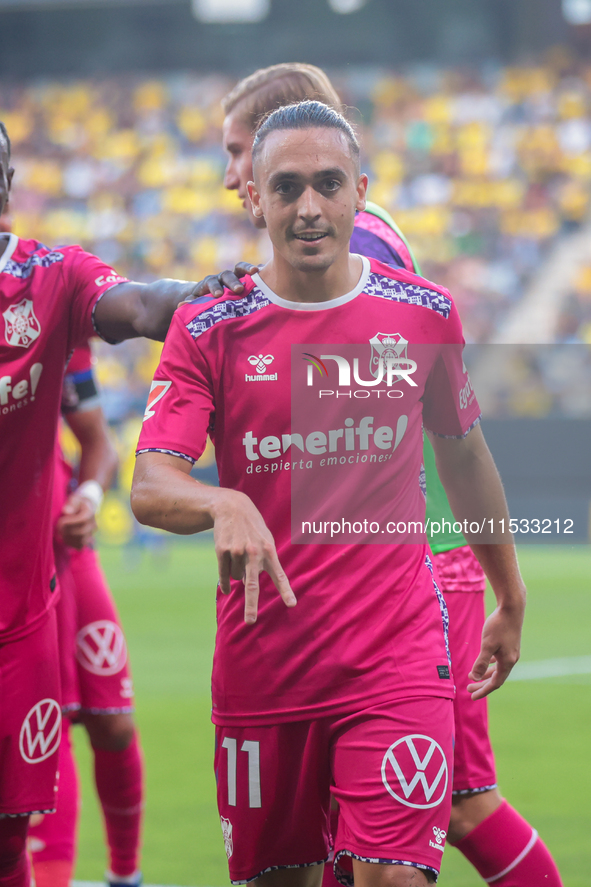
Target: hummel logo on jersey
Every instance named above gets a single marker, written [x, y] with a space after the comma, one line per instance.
[101, 648]
[227, 833]
[260, 362]
[22, 327]
[157, 392]
[41, 731]
[414, 769]
[440, 836]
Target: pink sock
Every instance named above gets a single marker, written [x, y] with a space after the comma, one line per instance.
[14, 862]
[119, 783]
[55, 836]
[507, 852]
[328, 878]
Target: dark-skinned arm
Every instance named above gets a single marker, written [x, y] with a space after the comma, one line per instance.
[475, 492]
[129, 310]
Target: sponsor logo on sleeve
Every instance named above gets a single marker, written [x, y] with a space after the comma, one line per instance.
[415, 771]
[41, 731]
[21, 325]
[101, 647]
[466, 395]
[109, 278]
[227, 833]
[157, 392]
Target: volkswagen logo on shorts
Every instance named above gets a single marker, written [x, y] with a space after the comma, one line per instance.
[415, 771]
[101, 648]
[41, 731]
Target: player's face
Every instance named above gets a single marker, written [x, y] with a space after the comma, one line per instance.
[307, 187]
[237, 141]
[6, 173]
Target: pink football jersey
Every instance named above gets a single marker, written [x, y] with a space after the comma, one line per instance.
[370, 623]
[47, 299]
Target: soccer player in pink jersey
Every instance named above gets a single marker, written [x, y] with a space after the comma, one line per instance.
[95, 677]
[351, 689]
[488, 831]
[51, 300]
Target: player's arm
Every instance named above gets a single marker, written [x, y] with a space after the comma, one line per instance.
[98, 464]
[473, 486]
[132, 309]
[164, 495]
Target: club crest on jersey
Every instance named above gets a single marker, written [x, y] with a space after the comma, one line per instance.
[157, 391]
[384, 347]
[415, 771]
[260, 362]
[101, 647]
[41, 731]
[22, 327]
[227, 833]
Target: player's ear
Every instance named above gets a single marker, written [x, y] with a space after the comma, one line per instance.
[362, 183]
[9, 176]
[255, 199]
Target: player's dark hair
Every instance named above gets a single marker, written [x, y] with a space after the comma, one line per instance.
[5, 136]
[305, 115]
[284, 84]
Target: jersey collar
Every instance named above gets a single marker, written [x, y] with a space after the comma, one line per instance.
[315, 306]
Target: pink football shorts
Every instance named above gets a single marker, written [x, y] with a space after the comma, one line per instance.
[462, 582]
[93, 652]
[389, 767]
[30, 725]
[474, 762]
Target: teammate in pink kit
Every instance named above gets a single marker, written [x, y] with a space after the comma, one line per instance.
[51, 300]
[95, 677]
[488, 831]
[351, 689]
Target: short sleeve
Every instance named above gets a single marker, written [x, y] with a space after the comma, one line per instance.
[450, 408]
[87, 279]
[180, 407]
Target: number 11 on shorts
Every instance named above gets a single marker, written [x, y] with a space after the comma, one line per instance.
[254, 770]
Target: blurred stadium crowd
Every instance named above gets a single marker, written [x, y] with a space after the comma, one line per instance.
[483, 171]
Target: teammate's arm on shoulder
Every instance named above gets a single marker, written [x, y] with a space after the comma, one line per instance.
[134, 309]
[214, 284]
[467, 470]
[163, 495]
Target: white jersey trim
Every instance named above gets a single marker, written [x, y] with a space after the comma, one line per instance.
[10, 248]
[316, 306]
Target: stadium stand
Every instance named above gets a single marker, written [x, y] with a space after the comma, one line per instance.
[487, 172]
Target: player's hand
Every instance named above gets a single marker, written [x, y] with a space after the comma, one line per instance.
[214, 284]
[76, 524]
[501, 641]
[245, 548]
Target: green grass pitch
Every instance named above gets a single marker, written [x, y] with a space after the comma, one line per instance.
[540, 727]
